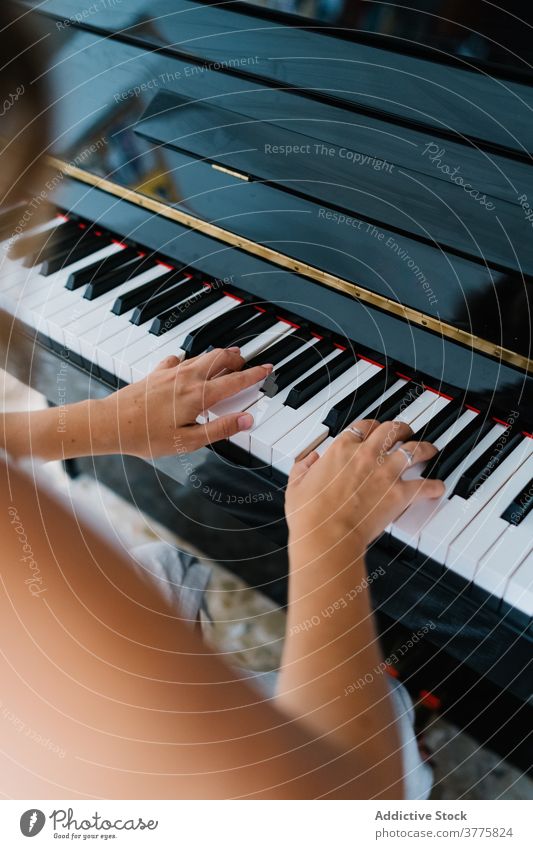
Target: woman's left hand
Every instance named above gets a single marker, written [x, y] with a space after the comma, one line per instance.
[156, 416]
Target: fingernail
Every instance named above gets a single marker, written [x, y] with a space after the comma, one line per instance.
[268, 366]
[235, 349]
[245, 421]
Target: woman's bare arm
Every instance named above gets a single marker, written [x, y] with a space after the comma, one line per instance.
[336, 506]
[96, 664]
[151, 418]
[93, 665]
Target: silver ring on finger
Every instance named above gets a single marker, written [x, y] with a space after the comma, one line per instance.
[407, 454]
[356, 432]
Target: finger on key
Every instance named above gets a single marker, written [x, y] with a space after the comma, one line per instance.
[410, 453]
[211, 364]
[229, 384]
[421, 488]
[222, 428]
[384, 437]
[168, 362]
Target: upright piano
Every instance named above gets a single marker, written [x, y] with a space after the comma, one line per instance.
[349, 196]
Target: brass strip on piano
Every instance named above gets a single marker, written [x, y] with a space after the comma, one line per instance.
[429, 322]
[230, 171]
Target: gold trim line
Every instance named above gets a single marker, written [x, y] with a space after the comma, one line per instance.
[417, 317]
[230, 171]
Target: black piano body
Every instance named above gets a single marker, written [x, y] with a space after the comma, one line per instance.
[377, 192]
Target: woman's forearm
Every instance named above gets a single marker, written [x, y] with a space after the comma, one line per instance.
[59, 433]
[331, 675]
[149, 418]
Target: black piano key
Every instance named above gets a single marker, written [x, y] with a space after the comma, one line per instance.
[136, 297]
[397, 402]
[297, 367]
[284, 348]
[356, 402]
[11, 219]
[85, 246]
[54, 242]
[184, 310]
[100, 269]
[318, 380]
[457, 449]
[441, 422]
[105, 283]
[161, 299]
[245, 333]
[147, 293]
[37, 248]
[520, 506]
[25, 246]
[215, 330]
[476, 474]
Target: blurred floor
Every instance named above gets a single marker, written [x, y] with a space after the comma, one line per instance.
[249, 628]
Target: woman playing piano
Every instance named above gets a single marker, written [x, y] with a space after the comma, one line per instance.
[99, 664]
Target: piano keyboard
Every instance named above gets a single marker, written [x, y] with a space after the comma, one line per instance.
[118, 311]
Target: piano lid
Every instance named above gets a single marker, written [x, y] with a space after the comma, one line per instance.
[438, 88]
[440, 30]
[419, 205]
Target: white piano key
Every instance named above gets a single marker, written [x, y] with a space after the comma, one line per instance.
[21, 277]
[10, 272]
[416, 408]
[26, 309]
[439, 533]
[298, 443]
[471, 541]
[109, 343]
[113, 348]
[323, 447]
[433, 408]
[151, 344]
[94, 317]
[417, 415]
[21, 284]
[41, 295]
[169, 344]
[14, 274]
[18, 272]
[60, 298]
[241, 401]
[519, 590]
[69, 325]
[237, 403]
[303, 427]
[263, 406]
[272, 422]
[408, 527]
[8, 265]
[266, 339]
[82, 315]
[500, 562]
[27, 285]
[106, 358]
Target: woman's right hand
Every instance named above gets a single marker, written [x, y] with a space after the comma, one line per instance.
[356, 489]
